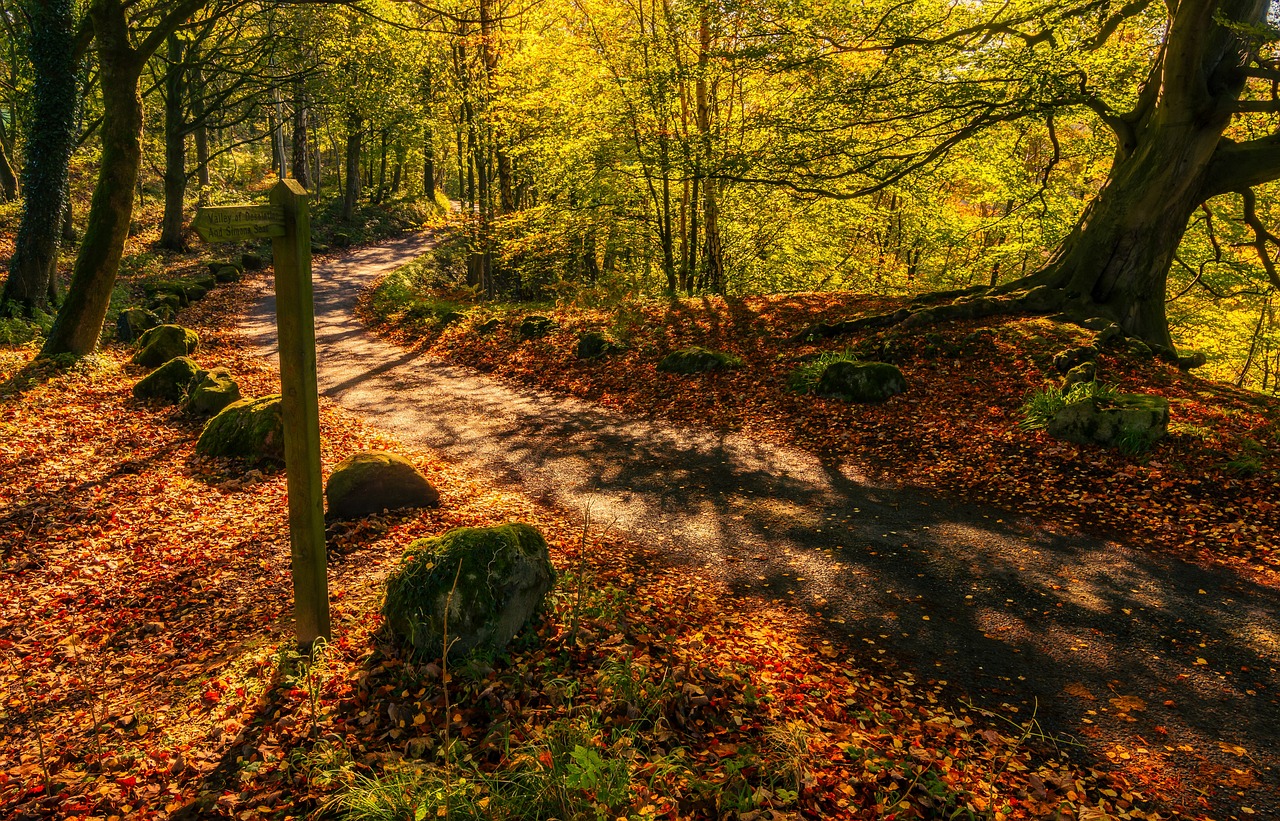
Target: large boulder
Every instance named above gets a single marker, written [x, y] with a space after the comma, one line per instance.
[860, 381]
[170, 382]
[134, 322]
[253, 428]
[370, 482]
[502, 575]
[1132, 421]
[212, 391]
[535, 327]
[162, 343]
[594, 345]
[697, 360]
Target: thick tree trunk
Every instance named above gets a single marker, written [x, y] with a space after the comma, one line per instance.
[175, 149]
[1170, 159]
[428, 164]
[50, 141]
[79, 322]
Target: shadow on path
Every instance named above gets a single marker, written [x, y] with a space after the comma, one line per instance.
[1008, 614]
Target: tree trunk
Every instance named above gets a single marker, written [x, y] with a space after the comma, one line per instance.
[428, 164]
[1170, 159]
[50, 140]
[8, 180]
[175, 149]
[79, 322]
[201, 136]
[355, 129]
[301, 143]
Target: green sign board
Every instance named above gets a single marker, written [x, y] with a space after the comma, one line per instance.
[233, 223]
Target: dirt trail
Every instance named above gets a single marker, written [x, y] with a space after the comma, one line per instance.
[1005, 612]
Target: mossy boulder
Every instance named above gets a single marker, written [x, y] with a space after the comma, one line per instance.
[1132, 421]
[372, 481]
[1192, 360]
[170, 382]
[535, 327]
[252, 428]
[212, 391]
[698, 360]
[196, 292]
[341, 239]
[488, 326]
[1139, 349]
[165, 342]
[251, 261]
[503, 574]
[206, 281]
[594, 345]
[228, 273]
[164, 304]
[860, 381]
[134, 322]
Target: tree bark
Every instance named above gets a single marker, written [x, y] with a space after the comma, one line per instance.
[8, 180]
[175, 148]
[50, 141]
[79, 323]
[355, 128]
[1171, 157]
[301, 142]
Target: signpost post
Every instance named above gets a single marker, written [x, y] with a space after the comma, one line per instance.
[287, 222]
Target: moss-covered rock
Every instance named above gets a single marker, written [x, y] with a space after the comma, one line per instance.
[212, 391]
[206, 281]
[594, 345]
[134, 322]
[535, 327]
[488, 326]
[503, 574]
[196, 292]
[252, 428]
[1068, 359]
[860, 381]
[164, 304]
[251, 261]
[1132, 421]
[698, 360]
[1084, 372]
[1139, 349]
[158, 288]
[228, 273]
[1192, 360]
[165, 342]
[372, 481]
[170, 382]
[341, 239]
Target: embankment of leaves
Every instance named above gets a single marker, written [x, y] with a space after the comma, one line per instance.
[148, 667]
[1208, 491]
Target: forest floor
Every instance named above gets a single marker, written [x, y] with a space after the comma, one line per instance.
[149, 673]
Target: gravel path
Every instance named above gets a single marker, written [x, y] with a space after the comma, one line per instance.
[1007, 614]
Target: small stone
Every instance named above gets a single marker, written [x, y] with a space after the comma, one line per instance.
[213, 390]
[1192, 359]
[165, 342]
[370, 482]
[535, 327]
[170, 382]
[1068, 359]
[134, 322]
[1084, 372]
[697, 360]
[252, 428]
[860, 381]
[594, 345]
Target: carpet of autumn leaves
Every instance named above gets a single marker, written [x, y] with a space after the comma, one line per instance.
[148, 669]
[1209, 491]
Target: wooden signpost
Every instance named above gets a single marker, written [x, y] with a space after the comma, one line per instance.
[287, 223]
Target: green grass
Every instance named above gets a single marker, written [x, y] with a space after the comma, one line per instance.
[1040, 408]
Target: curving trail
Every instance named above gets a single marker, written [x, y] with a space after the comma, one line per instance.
[1004, 612]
